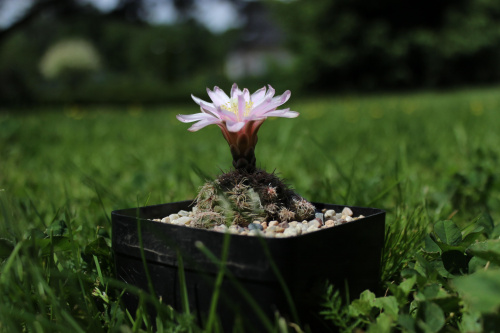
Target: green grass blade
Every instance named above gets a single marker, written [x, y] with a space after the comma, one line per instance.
[246, 295]
[281, 281]
[183, 286]
[218, 283]
[10, 261]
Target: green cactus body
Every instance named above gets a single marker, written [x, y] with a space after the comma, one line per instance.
[239, 197]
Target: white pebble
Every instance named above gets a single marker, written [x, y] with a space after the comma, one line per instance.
[183, 213]
[280, 229]
[220, 228]
[314, 223]
[329, 223]
[290, 232]
[348, 219]
[254, 232]
[173, 217]
[273, 223]
[271, 228]
[293, 224]
[347, 211]
[312, 228]
[234, 229]
[165, 220]
[184, 220]
[270, 233]
[329, 213]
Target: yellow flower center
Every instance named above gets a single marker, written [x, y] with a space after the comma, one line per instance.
[232, 106]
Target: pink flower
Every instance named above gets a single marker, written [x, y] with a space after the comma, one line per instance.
[239, 117]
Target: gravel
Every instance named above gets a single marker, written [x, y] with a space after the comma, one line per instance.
[323, 220]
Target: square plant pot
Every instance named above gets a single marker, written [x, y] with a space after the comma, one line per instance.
[345, 255]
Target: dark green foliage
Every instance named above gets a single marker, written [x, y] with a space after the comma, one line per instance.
[440, 288]
[355, 45]
[397, 152]
[6, 248]
[239, 197]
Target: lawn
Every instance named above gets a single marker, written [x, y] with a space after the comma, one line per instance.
[429, 159]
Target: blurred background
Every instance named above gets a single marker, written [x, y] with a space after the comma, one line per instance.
[157, 51]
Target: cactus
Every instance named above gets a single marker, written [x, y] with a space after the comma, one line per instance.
[286, 215]
[242, 195]
[239, 197]
[303, 208]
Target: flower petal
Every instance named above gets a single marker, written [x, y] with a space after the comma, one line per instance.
[226, 115]
[246, 95]
[284, 97]
[199, 125]
[189, 118]
[270, 104]
[210, 109]
[217, 98]
[285, 113]
[270, 92]
[241, 106]
[235, 90]
[233, 126]
[263, 107]
[196, 99]
[258, 96]
[221, 94]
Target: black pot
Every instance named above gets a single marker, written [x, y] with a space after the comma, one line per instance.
[348, 254]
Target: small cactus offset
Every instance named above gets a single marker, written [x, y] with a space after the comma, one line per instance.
[303, 209]
[239, 197]
[286, 215]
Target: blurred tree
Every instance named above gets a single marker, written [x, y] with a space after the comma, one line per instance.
[361, 44]
[130, 10]
[184, 6]
[30, 14]
[139, 62]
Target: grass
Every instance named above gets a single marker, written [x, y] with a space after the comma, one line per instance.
[423, 157]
